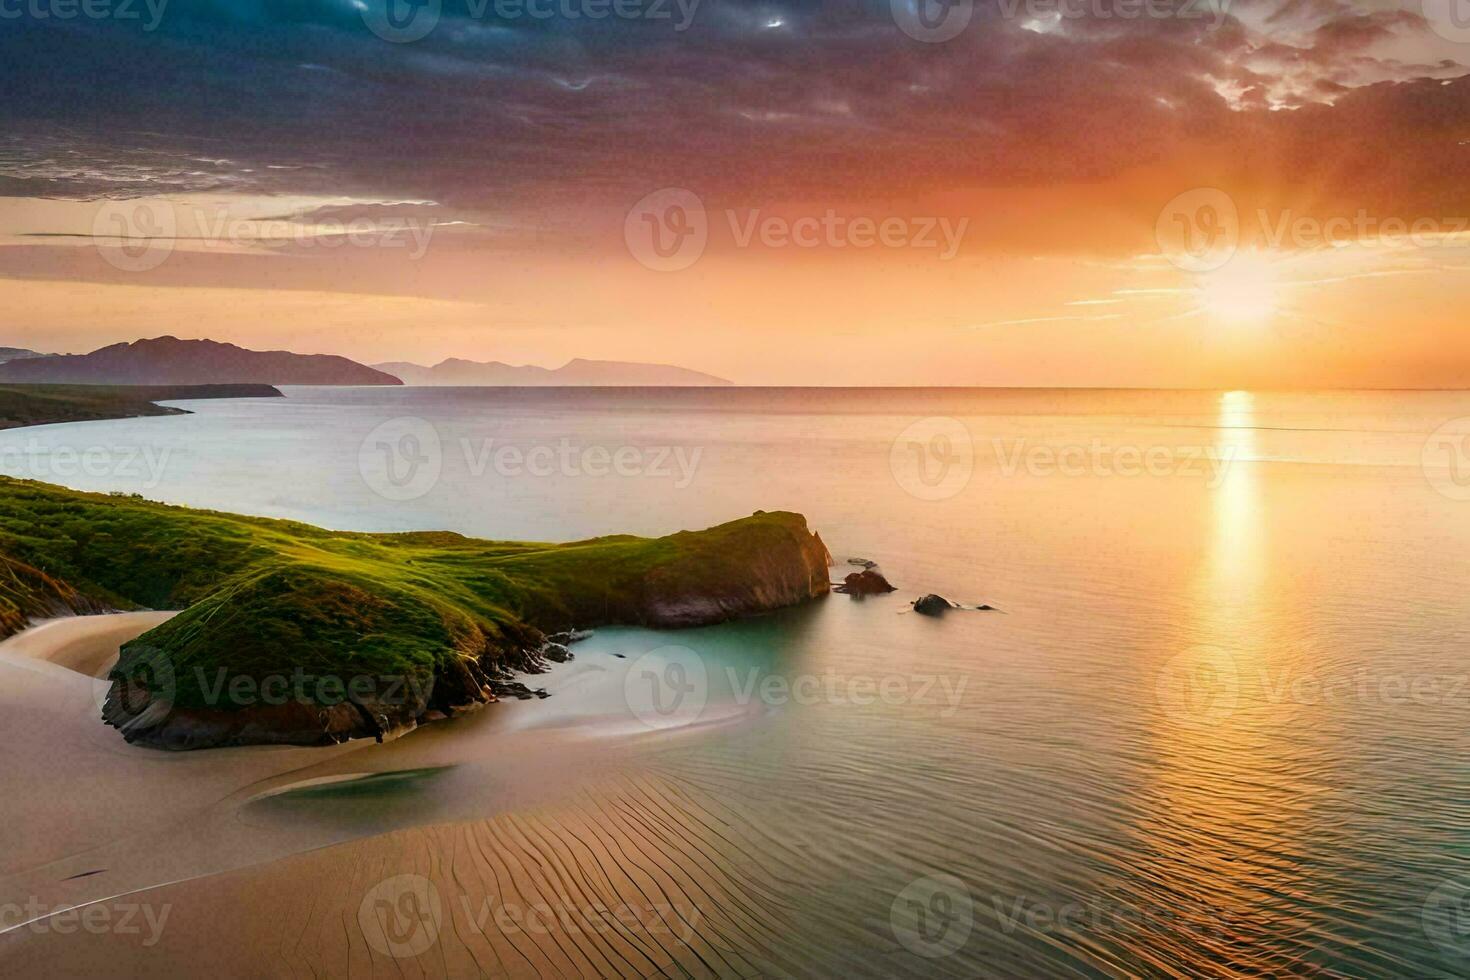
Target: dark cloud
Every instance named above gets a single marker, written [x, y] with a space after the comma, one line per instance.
[500, 114]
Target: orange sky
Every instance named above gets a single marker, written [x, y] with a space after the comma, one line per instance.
[1280, 201]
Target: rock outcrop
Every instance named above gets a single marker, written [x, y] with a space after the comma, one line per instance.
[869, 581]
[932, 605]
[776, 564]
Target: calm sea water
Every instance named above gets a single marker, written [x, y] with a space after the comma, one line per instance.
[1217, 724]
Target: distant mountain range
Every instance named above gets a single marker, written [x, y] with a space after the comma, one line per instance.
[575, 373]
[17, 354]
[170, 361]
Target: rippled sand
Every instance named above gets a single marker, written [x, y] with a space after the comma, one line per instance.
[232, 861]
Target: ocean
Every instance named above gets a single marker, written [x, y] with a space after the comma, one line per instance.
[1215, 723]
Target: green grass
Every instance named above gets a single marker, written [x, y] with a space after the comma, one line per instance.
[263, 597]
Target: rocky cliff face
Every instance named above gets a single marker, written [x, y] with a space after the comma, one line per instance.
[788, 568]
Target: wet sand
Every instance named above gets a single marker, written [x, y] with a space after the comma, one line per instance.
[533, 844]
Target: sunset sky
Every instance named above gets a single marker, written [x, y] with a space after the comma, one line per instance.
[1243, 195]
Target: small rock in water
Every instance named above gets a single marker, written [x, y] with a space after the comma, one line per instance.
[932, 605]
[568, 637]
[865, 562]
[866, 582]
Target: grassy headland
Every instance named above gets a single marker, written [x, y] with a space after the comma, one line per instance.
[42, 404]
[437, 615]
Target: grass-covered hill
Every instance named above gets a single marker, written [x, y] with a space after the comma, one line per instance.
[436, 616]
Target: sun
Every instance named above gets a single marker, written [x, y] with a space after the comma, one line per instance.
[1243, 293]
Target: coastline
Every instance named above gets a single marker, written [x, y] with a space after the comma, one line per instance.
[375, 634]
[27, 405]
[241, 829]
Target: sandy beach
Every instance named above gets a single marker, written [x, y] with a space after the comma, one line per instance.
[265, 839]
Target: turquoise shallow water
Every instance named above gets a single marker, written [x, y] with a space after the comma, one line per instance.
[1215, 726]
